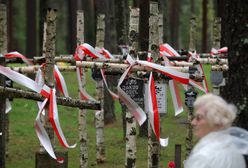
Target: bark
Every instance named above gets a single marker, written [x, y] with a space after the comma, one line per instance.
[3, 29]
[110, 43]
[10, 25]
[72, 21]
[153, 143]
[192, 33]
[144, 45]
[17, 93]
[216, 44]
[144, 26]
[121, 21]
[189, 135]
[49, 54]
[204, 25]
[99, 115]
[31, 28]
[234, 35]
[3, 50]
[90, 27]
[83, 136]
[115, 67]
[130, 157]
[3, 115]
[174, 11]
[130, 161]
[163, 12]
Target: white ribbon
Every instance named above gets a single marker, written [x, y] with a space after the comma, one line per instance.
[153, 111]
[49, 94]
[16, 54]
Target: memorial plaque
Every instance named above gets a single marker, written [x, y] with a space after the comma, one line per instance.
[216, 77]
[96, 74]
[190, 97]
[161, 93]
[134, 88]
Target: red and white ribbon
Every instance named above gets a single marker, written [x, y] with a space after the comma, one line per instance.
[86, 49]
[83, 93]
[167, 50]
[133, 107]
[114, 95]
[97, 53]
[174, 74]
[12, 55]
[176, 99]
[50, 96]
[153, 111]
[175, 93]
[60, 81]
[215, 51]
[203, 86]
[107, 54]
[16, 54]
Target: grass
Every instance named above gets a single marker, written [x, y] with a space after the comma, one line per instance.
[23, 142]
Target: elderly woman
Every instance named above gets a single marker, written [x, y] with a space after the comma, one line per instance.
[220, 145]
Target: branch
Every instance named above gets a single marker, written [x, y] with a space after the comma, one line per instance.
[17, 93]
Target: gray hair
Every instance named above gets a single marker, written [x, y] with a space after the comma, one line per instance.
[218, 112]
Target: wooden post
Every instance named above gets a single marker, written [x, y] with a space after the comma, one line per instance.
[192, 33]
[130, 159]
[217, 76]
[2, 119]
[189, 136]
[42, 158]
[83, 136]
[4, 50]
[178, 156]
[153, 143]
[100, 148]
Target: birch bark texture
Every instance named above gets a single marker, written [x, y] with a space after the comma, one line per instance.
[130, 160]
[99, 115]
[4, 50]
[189, 135]
[83, 136]
[153, 143]
[216, 45]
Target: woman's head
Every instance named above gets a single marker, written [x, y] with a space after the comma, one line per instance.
[212, 113]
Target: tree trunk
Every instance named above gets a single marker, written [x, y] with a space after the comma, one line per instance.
[90, 27]
[144, 25]
[9, 25]
[153, 143]
[31, 28]
[111, 45]
[3, 143]
[72, 21]
[234, 35]
[204, 26]
[164, 15]
[174, 13]
[99, 115]
[144, 45]
[121, 21]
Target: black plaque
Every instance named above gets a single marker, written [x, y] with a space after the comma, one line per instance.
[134, 88]
[190, 97]
[216, 77]
[96, 74]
